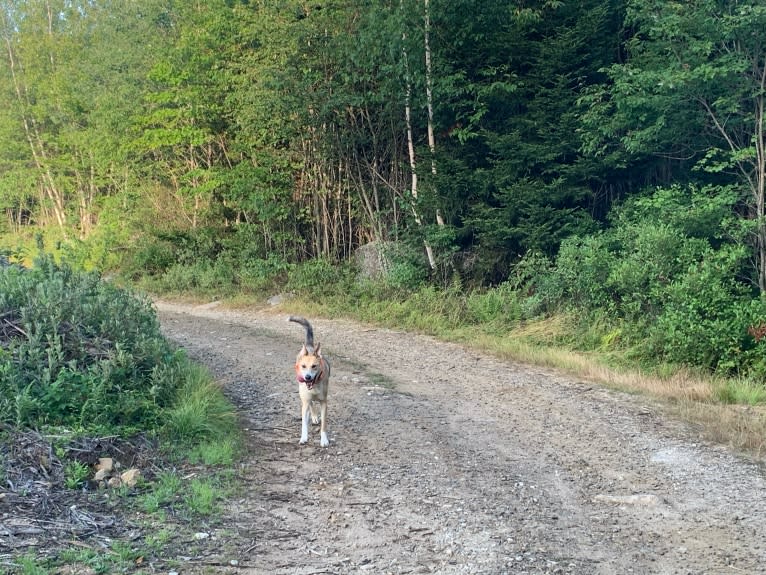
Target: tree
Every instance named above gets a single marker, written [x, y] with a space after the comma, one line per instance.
[74, 71]
[32, 69]
[512, 175]
[693, 89]
[182, 128]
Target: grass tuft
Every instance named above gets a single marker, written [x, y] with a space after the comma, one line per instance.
[200, 412]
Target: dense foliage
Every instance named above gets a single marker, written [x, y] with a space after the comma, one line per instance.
[78, 352]
[606, 157]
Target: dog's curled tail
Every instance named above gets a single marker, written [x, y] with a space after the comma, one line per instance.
[309, 331]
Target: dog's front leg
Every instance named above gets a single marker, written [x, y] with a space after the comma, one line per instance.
[305, 415]
[314, 413]
[323, 441]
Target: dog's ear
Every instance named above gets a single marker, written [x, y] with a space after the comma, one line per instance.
[303, 351]
[317, 351]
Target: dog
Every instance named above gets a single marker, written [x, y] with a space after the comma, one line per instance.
[313, 373]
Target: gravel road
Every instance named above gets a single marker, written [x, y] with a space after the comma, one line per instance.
[446, 460]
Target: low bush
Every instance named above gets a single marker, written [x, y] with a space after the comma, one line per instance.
[666, 276]
[259, 275]
[84, 354]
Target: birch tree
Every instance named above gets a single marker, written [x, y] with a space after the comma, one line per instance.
[429, 96]
[27, 92]
[411, 150]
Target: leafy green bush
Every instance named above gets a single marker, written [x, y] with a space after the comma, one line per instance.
[579, 279]
[260, 274]
[204, 276]
[651, 257]
[669, 275]
[152, 258]
[408, 268]
[160, 253]
[76, 351]
[195, 245]
[706, 317]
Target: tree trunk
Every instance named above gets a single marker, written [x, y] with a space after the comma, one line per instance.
[35, 142]
[430, 100]
[411, 153]
[760, 177]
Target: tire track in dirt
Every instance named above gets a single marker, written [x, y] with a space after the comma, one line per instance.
[443, 460]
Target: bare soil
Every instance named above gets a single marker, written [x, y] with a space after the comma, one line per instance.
[446, 460]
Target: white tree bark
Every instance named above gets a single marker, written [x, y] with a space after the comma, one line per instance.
[411, 152]
[430, 99]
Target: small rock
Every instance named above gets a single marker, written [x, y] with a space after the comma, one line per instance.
[130, 477]
[100, 475]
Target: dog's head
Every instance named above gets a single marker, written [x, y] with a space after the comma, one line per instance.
[308, 365]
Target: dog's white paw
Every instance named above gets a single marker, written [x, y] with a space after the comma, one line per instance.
[316, 420]
[304, 439]
[324, 442]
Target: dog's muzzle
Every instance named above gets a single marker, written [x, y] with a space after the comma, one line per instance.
[308, 380]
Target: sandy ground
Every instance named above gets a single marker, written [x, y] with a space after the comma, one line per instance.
[445, 460]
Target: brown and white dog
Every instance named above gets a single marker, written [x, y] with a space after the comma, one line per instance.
[313, 374]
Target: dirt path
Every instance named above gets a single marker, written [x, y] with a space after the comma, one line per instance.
[443, 460]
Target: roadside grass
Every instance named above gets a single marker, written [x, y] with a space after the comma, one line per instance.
[200, 411]
[165, 491]
[118, 557]
[223, 452]
[203, 496]
[191, 497]
[28, 565]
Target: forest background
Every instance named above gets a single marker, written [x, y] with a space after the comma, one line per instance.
[595, 169]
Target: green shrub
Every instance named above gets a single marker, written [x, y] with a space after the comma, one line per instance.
[209, 277]
[580, 277]
[671, 282]
[706, 317]
[75, 350]
[150, 259]
[260, 274]
[195, 245]
[407, 267]
[651, 257]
